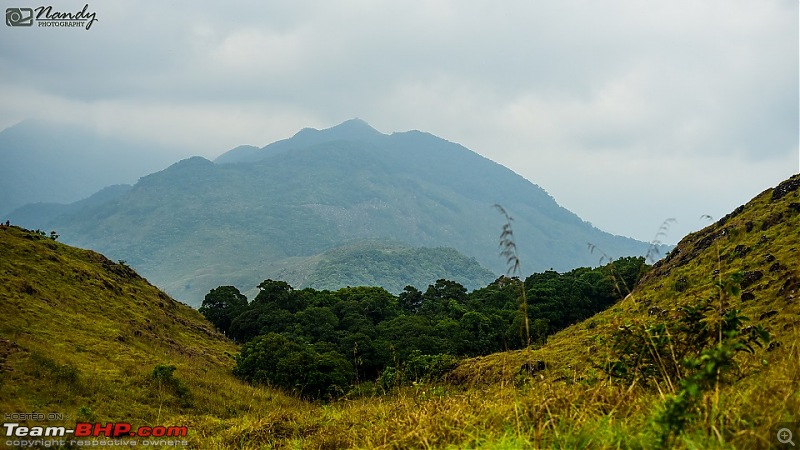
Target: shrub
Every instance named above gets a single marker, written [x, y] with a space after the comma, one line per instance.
[418, 368]
[60, 373]
[690, 353]
[279, 361]
[163, 376]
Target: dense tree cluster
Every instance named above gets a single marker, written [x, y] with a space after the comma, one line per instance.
[319, 343]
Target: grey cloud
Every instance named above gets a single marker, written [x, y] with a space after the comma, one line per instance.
[536, 85]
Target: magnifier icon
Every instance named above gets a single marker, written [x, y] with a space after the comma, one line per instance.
[785, 436]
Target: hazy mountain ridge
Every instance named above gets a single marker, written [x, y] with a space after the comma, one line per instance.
[198, 224]
[41, 161]
[44, 213]
[353, 129]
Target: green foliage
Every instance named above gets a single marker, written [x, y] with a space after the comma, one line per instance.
[410, 300]
[162, 373]
[418, 368]
[540, 328]
[428, 368]
[690, 352]
[165, 381]
[381, 335]
[221, 305]
[277, 293]
[86, 414]
[46, 367]
[297, 367]
[567, 298]
[395, 266]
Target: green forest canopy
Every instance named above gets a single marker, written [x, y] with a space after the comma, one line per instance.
[318, 344]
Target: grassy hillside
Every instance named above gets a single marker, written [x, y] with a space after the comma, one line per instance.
[574, 403]
[82, 335]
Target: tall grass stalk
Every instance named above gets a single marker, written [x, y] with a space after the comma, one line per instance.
[508, 250]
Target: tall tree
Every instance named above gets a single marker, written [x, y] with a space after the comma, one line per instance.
[222, 304]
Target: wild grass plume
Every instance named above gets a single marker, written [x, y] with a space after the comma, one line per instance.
[508, 250]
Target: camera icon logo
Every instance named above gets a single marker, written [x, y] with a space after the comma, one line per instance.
[19, 17]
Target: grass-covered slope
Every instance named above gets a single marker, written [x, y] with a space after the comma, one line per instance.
[575, 402]
[760, 240]
[81, 335]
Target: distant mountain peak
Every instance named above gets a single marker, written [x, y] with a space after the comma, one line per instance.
[349, 129]
[356, 130]
[356, 124]
[193, 161]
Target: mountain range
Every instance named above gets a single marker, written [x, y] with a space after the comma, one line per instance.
[273, 212]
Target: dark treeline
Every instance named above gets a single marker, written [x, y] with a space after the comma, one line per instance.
[321, 343]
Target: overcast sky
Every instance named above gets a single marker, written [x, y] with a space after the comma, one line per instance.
[626, 112]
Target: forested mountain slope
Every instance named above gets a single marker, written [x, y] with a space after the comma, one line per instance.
[271, 213]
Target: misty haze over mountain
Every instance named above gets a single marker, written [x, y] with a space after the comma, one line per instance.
[44, 161]
[274, 212]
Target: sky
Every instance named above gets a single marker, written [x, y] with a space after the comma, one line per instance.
[627, 112]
